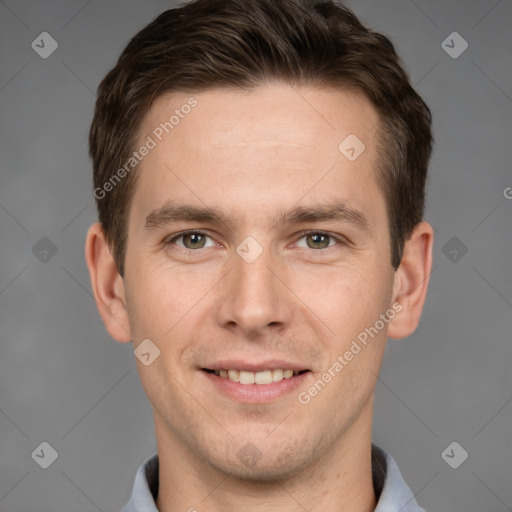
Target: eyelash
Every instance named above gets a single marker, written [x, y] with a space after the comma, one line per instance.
[302, 234]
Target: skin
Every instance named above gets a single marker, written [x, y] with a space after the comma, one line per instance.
[252, 154]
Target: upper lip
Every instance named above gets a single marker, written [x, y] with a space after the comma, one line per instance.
[251, 366]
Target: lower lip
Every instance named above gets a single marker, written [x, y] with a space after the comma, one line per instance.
[256, 393]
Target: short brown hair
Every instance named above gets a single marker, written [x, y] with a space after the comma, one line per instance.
[244, 44]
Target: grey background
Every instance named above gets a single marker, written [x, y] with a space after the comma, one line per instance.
[64, 381]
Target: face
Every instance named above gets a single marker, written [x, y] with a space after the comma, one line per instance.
[288, 262]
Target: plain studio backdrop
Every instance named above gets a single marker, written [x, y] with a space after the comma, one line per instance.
[65, 382]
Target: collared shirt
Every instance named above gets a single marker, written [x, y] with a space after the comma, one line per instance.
[393, 494]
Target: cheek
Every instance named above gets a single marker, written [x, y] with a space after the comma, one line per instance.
[346, 299]
[148, 307]
[350, 304]
[161, 296]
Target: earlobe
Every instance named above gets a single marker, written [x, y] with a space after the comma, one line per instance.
[411, 281]
[107, 284]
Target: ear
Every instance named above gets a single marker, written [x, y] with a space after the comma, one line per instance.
[107, 284]
[411, 281]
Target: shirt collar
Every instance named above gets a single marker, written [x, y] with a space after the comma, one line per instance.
[393, 493]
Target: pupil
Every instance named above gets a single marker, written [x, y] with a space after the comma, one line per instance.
[320, 238]
[195, 238]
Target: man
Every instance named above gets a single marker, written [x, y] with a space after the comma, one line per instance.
[259, 170]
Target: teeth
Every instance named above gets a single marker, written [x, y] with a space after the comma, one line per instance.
[234, 375]
[246, 377]
[277, 375]
[263, 377]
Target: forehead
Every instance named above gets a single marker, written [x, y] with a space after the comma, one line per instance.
[252, 150]
[224, 116]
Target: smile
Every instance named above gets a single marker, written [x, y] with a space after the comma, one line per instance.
[255, 387]
[262, 377]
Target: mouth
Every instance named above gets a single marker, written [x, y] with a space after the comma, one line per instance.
[255, 384]
[263, 377]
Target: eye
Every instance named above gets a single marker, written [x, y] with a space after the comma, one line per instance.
[193, 240]
[190, 240]
[319, 240]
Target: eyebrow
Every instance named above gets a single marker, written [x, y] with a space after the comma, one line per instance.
[338, 211]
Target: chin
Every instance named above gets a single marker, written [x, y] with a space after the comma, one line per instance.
[262, 472]
[266, 464]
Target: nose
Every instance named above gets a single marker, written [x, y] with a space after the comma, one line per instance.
[255, 297]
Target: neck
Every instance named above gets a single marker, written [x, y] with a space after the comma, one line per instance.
[341, 480]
